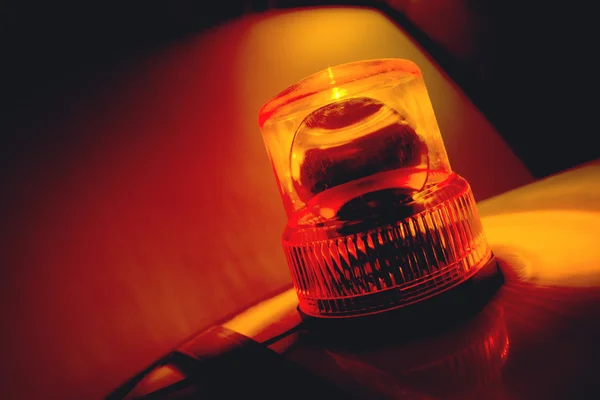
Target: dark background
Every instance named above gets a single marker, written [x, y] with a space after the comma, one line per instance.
[529, 68]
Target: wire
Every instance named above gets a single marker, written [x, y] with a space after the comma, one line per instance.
[277, 338]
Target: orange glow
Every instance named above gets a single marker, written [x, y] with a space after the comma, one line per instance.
[158, 378]
[337, 93]
[564, 242]
[268, 318]
[286, 119]
[331, 77]
[377, 220]
[549, 230]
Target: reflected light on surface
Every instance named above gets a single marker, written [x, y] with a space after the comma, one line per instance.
[268, 318]
[337, 93]
[564, 242]
[158, 378]
[331, 78]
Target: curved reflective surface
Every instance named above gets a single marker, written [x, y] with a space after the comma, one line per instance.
[535, 338]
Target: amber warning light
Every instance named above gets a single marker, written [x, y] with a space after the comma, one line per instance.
[377, 219]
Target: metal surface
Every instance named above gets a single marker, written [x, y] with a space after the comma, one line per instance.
[535, 338]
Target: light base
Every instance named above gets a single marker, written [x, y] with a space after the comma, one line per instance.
[443, 311]
[392, 255]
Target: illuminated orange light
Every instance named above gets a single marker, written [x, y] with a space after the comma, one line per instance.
[377, 219]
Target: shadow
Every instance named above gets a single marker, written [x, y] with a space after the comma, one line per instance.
[424, 319]
[462, 362]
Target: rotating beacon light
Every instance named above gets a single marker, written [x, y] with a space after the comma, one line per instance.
[377, 219]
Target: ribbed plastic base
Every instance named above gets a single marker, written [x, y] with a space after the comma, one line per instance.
[368, 268]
